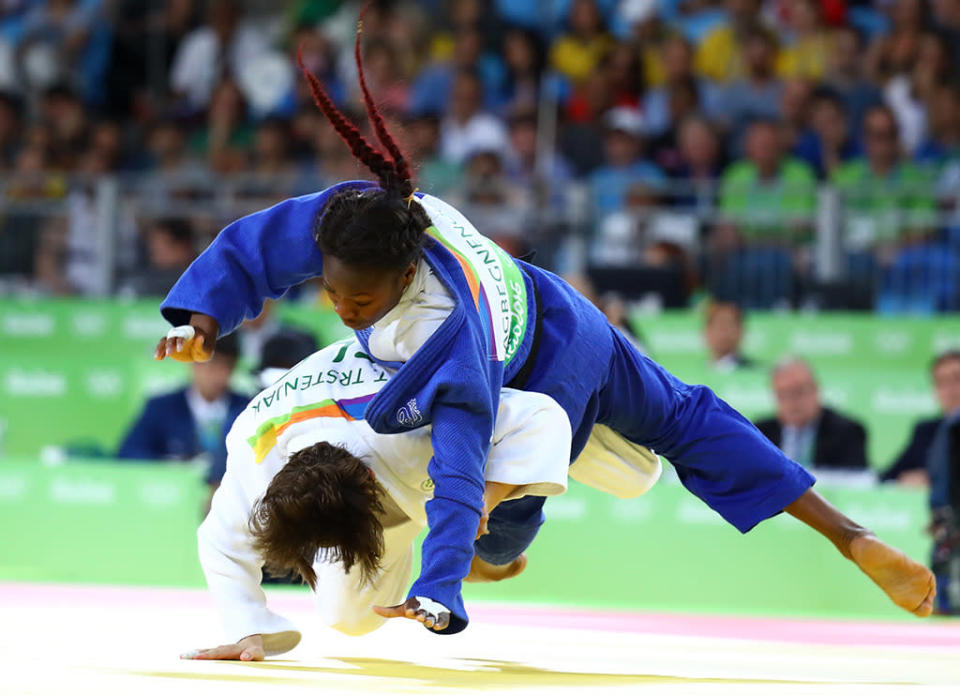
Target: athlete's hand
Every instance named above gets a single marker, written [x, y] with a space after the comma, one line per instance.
[248, 649]
[192, 343]
[432, 614]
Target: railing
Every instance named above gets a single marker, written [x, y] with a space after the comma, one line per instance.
[86, 236]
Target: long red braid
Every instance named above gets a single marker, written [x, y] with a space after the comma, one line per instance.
[373, 113]
[393, 174]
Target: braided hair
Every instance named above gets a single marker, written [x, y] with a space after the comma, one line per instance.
[382, 227]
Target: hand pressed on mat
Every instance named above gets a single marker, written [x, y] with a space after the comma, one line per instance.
[248, 649]
[423, 610]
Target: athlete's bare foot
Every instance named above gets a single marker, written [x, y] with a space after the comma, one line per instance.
[909, 584]
[483, 571]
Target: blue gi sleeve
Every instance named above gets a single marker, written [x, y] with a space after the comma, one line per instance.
[259, 256]
[458, 389]
[461, 440]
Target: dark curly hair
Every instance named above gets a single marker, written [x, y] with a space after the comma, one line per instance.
[381, 228]
[324, 501]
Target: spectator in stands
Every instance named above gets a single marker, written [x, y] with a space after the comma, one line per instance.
[226, 46]
[759, 94]
[624, 163]
[943, 468]
[895, 51]
[170, 249]
[720, 56]
[167, 151]
[946, 19]
[272, 167]
[11, 111]
[908, 91]
[467, 124]
[683, 101]
[523, 55]
[810, 43]
[943, 141]
[384, 73]
[502, 211]
[579, 52]
[795, 105]
[68, 121]
[846, 76]
[807, 431]
[254, 333]
[886, 196]
[828, 144]
[144, 40]
[590, 99]
[432, 87]
[625, 233]
[65, 41]
[677, 59]
[622, 65]
[911, 466]
[768, 191]
[723, 334]
[191, 422]
[437, 173]
[532, 170]
[699, 166]
[227, 135]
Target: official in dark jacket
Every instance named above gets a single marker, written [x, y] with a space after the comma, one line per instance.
[811, 434]
[190, 422]
[910, 467]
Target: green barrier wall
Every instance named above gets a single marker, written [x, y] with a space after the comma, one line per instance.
[875, 368]
[135, 524]
[76, 372]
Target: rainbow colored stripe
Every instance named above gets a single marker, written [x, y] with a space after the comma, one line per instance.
[479, 295]
[265, 438]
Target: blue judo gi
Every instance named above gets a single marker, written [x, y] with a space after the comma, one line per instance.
[569, 352]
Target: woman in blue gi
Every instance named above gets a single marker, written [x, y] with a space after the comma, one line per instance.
[458, 318]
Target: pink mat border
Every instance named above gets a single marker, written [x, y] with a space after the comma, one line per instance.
[921, 634]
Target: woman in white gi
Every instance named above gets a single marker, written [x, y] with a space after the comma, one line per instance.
[304, 438]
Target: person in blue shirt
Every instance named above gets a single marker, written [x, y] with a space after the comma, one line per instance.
[192, 422]
[458, 319]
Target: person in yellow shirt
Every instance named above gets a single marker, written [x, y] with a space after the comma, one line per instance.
[720, 55]
[579, 52]
[806, 55]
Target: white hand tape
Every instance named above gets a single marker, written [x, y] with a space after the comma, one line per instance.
[185, 332]
[431, 606]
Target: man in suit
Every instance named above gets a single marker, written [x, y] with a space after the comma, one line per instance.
[193, 421]
[723, 333]
[910, 467]
[807, 431]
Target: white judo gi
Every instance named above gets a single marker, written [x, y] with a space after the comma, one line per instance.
[313, 402]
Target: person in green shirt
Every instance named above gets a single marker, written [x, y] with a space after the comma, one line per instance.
[887, 199]
[768, 196]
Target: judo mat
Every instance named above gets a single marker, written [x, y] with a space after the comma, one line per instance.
[115, 640]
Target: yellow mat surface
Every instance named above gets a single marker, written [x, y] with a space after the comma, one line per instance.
[127, 641]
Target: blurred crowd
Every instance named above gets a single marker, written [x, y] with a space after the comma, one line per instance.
[691, 135]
